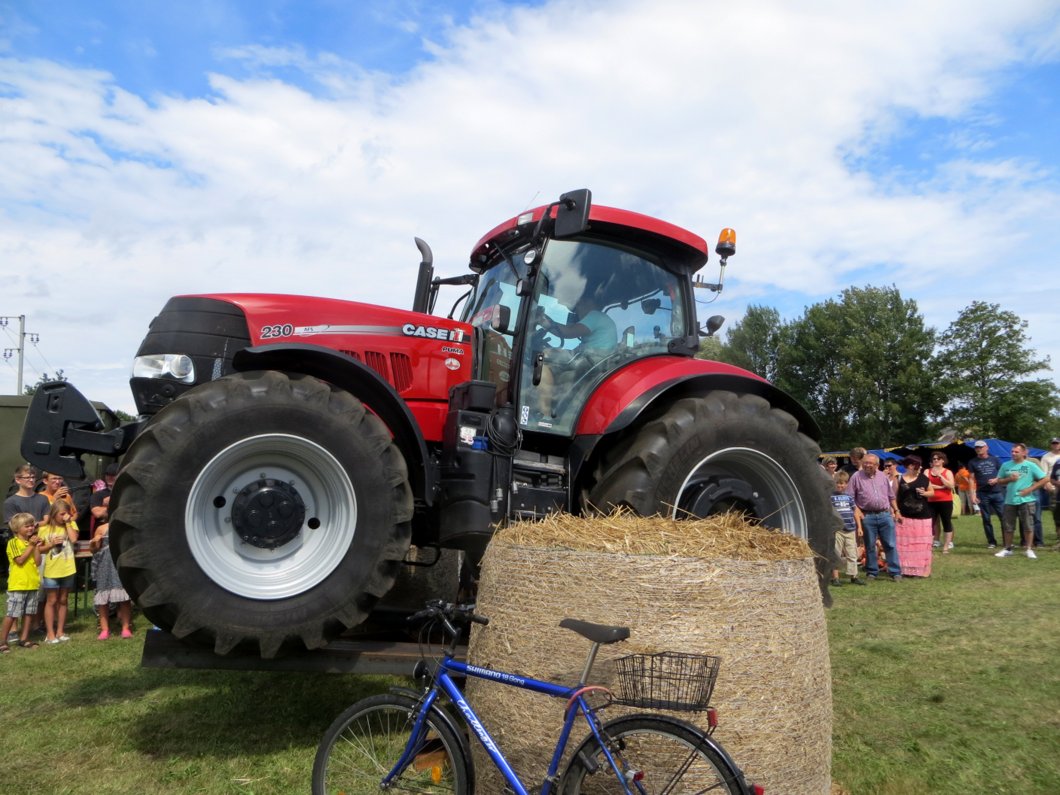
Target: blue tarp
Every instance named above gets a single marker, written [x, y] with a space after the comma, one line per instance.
[956, 452]
[886, 454]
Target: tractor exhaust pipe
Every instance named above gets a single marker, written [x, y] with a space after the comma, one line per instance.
[421, 298]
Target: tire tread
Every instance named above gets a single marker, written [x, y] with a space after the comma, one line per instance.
[169, 600]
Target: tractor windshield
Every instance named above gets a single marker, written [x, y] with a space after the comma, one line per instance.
[596, 308]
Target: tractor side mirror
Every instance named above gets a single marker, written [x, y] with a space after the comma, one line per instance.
[502, 316]
[714, 322]
[650, 305]
[572, 213]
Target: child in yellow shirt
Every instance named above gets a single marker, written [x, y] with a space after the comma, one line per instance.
[58, 535]
[23, 555]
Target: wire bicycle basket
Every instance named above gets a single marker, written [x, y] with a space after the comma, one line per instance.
[666, 680]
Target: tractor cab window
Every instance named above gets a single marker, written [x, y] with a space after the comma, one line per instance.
[494, 301]
[596, 308]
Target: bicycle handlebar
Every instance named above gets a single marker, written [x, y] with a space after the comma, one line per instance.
[449, 614]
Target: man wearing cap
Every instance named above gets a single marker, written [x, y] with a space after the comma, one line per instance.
[875, 501]
[989, 496]
[1053, 455]
[1021, 479]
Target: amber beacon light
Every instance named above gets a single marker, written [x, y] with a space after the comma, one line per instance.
[726, 243]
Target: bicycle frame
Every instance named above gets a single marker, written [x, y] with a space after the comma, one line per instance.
[443, 680]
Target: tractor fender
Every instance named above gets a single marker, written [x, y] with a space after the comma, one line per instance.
[629, 392]
[362, 382]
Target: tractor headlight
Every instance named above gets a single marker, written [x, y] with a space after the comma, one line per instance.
[162, 365]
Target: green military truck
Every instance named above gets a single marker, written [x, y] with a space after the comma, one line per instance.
[12, 417]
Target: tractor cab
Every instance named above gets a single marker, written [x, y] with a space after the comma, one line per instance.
[560, 306]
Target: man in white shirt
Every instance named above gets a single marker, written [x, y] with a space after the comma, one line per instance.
[1049, 494]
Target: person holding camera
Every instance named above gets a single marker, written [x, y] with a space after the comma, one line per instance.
[55, 488]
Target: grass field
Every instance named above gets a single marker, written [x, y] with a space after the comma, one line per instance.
[946, 685]
[952, 683]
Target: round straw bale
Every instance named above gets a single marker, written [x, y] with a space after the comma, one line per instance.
[718, 586]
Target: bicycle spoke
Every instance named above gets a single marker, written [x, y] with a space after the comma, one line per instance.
[679, 774]
[657, 758]
[368, 742]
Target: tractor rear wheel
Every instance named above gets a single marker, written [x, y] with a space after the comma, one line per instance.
[261, 511]
[722, 452]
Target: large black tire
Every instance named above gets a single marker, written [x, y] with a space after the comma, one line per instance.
[367, 740]
[717, 452]
[668, 755]
[261, 511]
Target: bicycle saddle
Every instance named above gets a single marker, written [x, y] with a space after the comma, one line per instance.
[597, 633]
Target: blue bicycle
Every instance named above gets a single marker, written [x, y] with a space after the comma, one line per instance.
[409, 741]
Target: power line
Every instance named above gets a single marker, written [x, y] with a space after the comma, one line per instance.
[34, 340]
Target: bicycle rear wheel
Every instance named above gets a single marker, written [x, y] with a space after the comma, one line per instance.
[366, 741]
[659, 754]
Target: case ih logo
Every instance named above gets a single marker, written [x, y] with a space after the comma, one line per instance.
[432, 332]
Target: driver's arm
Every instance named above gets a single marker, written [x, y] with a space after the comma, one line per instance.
[563, 330]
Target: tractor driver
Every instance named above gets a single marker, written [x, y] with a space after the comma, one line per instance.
[599, 338]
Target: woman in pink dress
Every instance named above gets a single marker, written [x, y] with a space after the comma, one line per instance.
[913, 529]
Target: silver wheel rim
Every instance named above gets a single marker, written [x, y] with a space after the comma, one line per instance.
[301, 563]
[779, 501]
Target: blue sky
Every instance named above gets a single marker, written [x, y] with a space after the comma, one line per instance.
[158, 47]
[161, 148]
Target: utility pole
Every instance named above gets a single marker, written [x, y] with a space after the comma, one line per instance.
[21, 349]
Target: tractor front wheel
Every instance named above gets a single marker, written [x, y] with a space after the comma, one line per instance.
[261, 511]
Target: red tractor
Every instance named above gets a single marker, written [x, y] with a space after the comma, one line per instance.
[296, 457]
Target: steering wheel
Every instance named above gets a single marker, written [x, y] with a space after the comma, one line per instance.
[539, 338]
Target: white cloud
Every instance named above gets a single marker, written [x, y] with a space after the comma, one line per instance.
[708, 115]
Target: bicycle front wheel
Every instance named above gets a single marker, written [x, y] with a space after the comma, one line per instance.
[364, 743]
[656, 755]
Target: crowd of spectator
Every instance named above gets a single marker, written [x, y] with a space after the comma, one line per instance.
[44, 519]
[897, 512]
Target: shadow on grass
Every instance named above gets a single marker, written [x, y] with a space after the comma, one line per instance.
[171, 713]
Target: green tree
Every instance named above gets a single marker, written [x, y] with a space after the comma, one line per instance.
[123, 416]
[755, 342]
[710, 348]
[987, 363]
[861, 365]
[44, 378]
